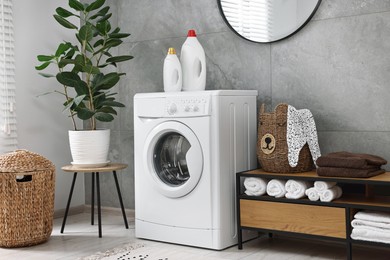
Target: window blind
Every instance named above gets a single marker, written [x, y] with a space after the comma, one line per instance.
[250, 18]
[8, 136]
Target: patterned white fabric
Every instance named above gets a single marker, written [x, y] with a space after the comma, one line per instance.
[301, 129]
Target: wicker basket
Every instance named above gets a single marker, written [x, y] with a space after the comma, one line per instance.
[272, 150]
[26, 199]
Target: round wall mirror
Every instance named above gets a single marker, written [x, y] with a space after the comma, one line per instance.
[267, 21]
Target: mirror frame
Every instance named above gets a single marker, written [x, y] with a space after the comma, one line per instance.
[289, 35]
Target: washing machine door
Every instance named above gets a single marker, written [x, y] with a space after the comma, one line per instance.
[174, 158]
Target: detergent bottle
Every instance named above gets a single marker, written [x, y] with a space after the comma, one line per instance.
[172, 73]
[193, 62]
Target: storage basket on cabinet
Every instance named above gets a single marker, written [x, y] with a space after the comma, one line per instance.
[26, 198]
[273, 126]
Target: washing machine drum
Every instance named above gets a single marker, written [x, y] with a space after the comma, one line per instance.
[174, 159]
[169, 158]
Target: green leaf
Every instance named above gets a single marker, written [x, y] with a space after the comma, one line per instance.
[105, 18]
[117, 29]
[76, 5]
[95, 5]
[90, 69]
[62, 48]
[98, 42]
[64, 22]
[107, 82]
[108, 110]
[119, 58]
[64, 62]
[76, 101]
[46, 75]
[104, 117]
[109, 44]
[101, 12]
[42, 66]
[112, 104]
[63, 12]
[84, 113]
[70, 54]
[82, 89]
[86, 33]
[88, 47]
[119, 35]
[45, 58]
[70, 79]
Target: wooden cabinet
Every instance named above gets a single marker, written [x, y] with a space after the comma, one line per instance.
[330, 220]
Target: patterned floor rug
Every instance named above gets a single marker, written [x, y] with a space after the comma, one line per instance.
[138, 251]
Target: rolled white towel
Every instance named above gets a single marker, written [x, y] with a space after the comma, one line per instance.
[330, 194]
[362, 233]
[276, 188]
[295, 189]
[312, 194]
[376, 216]
[255, 186]
[323, 185]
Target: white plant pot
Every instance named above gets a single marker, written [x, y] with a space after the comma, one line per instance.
[89, 148]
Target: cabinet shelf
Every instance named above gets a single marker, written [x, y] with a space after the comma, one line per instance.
[331, 220]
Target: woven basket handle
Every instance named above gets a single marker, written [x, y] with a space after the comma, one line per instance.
[262, 108]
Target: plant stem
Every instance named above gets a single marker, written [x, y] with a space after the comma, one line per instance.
[67, 99]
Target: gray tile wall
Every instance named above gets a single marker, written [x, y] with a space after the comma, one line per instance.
[338, 66]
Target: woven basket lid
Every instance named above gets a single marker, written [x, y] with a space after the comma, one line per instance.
[24, 161]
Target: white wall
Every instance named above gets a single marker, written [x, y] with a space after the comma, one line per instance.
[42, 127]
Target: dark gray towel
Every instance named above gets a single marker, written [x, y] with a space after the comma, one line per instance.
[350, 160]
[349, 172]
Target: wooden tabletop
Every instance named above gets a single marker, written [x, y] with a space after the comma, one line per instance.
[108, 168]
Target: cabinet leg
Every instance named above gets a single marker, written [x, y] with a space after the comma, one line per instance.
[239, 238]
[349, 250]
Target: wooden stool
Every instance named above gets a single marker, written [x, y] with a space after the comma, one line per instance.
[112, 167]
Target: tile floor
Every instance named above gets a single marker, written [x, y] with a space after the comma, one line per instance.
[80, 239]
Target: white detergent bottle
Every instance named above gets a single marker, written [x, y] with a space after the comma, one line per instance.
[172, 72]
[193, 62]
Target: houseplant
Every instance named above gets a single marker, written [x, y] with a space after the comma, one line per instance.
[83, 70]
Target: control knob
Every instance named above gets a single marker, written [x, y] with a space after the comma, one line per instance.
[172, 109]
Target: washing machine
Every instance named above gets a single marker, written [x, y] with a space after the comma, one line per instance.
[188, 148]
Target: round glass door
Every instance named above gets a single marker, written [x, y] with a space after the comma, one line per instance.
[169, 158]
[174, 158]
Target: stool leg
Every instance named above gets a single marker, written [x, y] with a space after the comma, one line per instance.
[98, 204]
[69, 200]
[120, 199]
[93, 199]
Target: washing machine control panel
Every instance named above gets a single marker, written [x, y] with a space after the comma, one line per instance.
[187, 106]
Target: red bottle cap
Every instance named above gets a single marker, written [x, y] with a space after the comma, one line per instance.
[191, 33]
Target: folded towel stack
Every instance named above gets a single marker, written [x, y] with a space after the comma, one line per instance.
[352, 165]
[255, 186]
[295, 189]
[371, 226]
[324, 191]
[276, 188]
